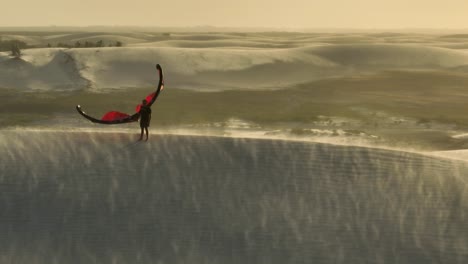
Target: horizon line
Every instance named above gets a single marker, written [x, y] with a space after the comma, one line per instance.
[249, 28]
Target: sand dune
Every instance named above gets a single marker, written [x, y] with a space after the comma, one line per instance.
[69, 194]
[218, 61]
[30, 40]
[76, 197]
[42, 69]
[204, 37]
[218, 44]
[204, 67]
[392, 56]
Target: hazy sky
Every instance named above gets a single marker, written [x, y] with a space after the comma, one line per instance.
[239, 13]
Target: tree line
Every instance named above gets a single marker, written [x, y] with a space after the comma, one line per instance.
[87, 44]
[15, 46]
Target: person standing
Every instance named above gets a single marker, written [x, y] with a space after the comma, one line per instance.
[145, 118]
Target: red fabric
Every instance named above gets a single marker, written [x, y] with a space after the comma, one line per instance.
[114, 115]
[148, 99]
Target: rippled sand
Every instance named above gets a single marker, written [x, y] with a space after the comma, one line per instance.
[81, 197]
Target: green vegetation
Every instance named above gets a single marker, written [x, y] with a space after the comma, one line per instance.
[15, 51]
[13, 46]
[6, 45]
[87, 44]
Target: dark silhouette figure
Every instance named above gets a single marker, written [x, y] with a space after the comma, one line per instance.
[145, 118]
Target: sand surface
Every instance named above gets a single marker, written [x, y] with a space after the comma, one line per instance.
[80, 197]
[265, 147]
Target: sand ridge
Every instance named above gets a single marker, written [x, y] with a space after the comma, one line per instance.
[259, 198]
[224, 61]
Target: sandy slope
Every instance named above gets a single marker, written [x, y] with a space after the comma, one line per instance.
[44, 69]
[215, 63]
[79, 197]
[381, 80]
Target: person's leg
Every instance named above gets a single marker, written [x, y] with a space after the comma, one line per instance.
[141, 135]
[146, 129]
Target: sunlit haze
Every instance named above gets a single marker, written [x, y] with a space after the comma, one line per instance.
[241, 13]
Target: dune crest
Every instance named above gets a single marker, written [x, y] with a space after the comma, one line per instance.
[235, 66]
[42, 70]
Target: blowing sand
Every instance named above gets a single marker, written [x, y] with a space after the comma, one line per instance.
[81, 197]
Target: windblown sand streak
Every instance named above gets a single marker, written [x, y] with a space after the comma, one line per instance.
[100, 198]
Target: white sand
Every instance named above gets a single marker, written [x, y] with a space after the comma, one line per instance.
[218, 61]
